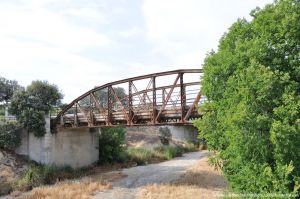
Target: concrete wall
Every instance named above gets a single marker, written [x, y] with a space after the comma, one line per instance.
[79, 147]
[74, 147]
[181, 133]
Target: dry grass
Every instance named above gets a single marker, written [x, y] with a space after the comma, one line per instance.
[67, 190]
[200, 181]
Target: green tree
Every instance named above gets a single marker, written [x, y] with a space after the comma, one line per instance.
[7, 89]
[252, 85]
[31, 105]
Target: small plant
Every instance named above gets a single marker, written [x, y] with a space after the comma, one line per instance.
[165, 135]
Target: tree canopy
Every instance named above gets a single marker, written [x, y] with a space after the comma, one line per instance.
[31, 105]
[7, 89]
[252, 84]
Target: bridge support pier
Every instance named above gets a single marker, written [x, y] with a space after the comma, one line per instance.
[73, 147]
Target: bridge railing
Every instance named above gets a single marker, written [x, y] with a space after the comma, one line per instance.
[159, 98]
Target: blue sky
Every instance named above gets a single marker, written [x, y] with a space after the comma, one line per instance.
[80, 44]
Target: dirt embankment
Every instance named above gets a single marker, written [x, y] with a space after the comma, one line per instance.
[11, 167]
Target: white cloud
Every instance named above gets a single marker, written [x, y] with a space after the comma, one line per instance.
[86, 12]
[131, 32]
[49, 28]
[185, 30]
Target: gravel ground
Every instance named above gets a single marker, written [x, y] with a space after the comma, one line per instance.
[128, 187]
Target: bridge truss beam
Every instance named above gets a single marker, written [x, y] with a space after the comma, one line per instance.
[167, 103]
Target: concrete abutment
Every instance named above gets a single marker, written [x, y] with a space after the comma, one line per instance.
[78, 147]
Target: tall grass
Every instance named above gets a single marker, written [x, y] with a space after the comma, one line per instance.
[37, 175]
[143, 155]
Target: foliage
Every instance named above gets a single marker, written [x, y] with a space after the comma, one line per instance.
[171, 152]
[111, 144]
[42, 95]
[2, 110]
[37, 175]
[143, 156]
[31, 105]
[165, 135]
[9, 135]
[7, 89]
[215, 161]
[252, 85]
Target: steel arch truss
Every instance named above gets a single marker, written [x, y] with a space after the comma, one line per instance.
[174, 101]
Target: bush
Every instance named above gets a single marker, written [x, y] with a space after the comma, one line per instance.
[171, 152]
[111, 145]
[37, 175]
[9, 135]
[252, 86]
[165, 135]
[31, 178]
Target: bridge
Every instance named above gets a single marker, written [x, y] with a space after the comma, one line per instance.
[72, 138]
[169, 97]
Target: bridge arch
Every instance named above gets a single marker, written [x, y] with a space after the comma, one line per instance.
[169, 97]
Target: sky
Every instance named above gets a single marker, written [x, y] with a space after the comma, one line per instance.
[80, 44]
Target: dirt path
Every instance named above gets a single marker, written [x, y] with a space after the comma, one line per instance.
[137, 177]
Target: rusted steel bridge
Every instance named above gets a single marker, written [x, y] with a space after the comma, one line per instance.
[170, 97]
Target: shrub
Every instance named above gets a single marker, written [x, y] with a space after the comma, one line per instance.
[37, 175]
[252, 86]
[171, 152]
[31, 178]
[165, 135]
[111, 145]
[9, 135]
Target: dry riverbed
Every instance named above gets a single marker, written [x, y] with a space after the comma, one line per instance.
[184, 177]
